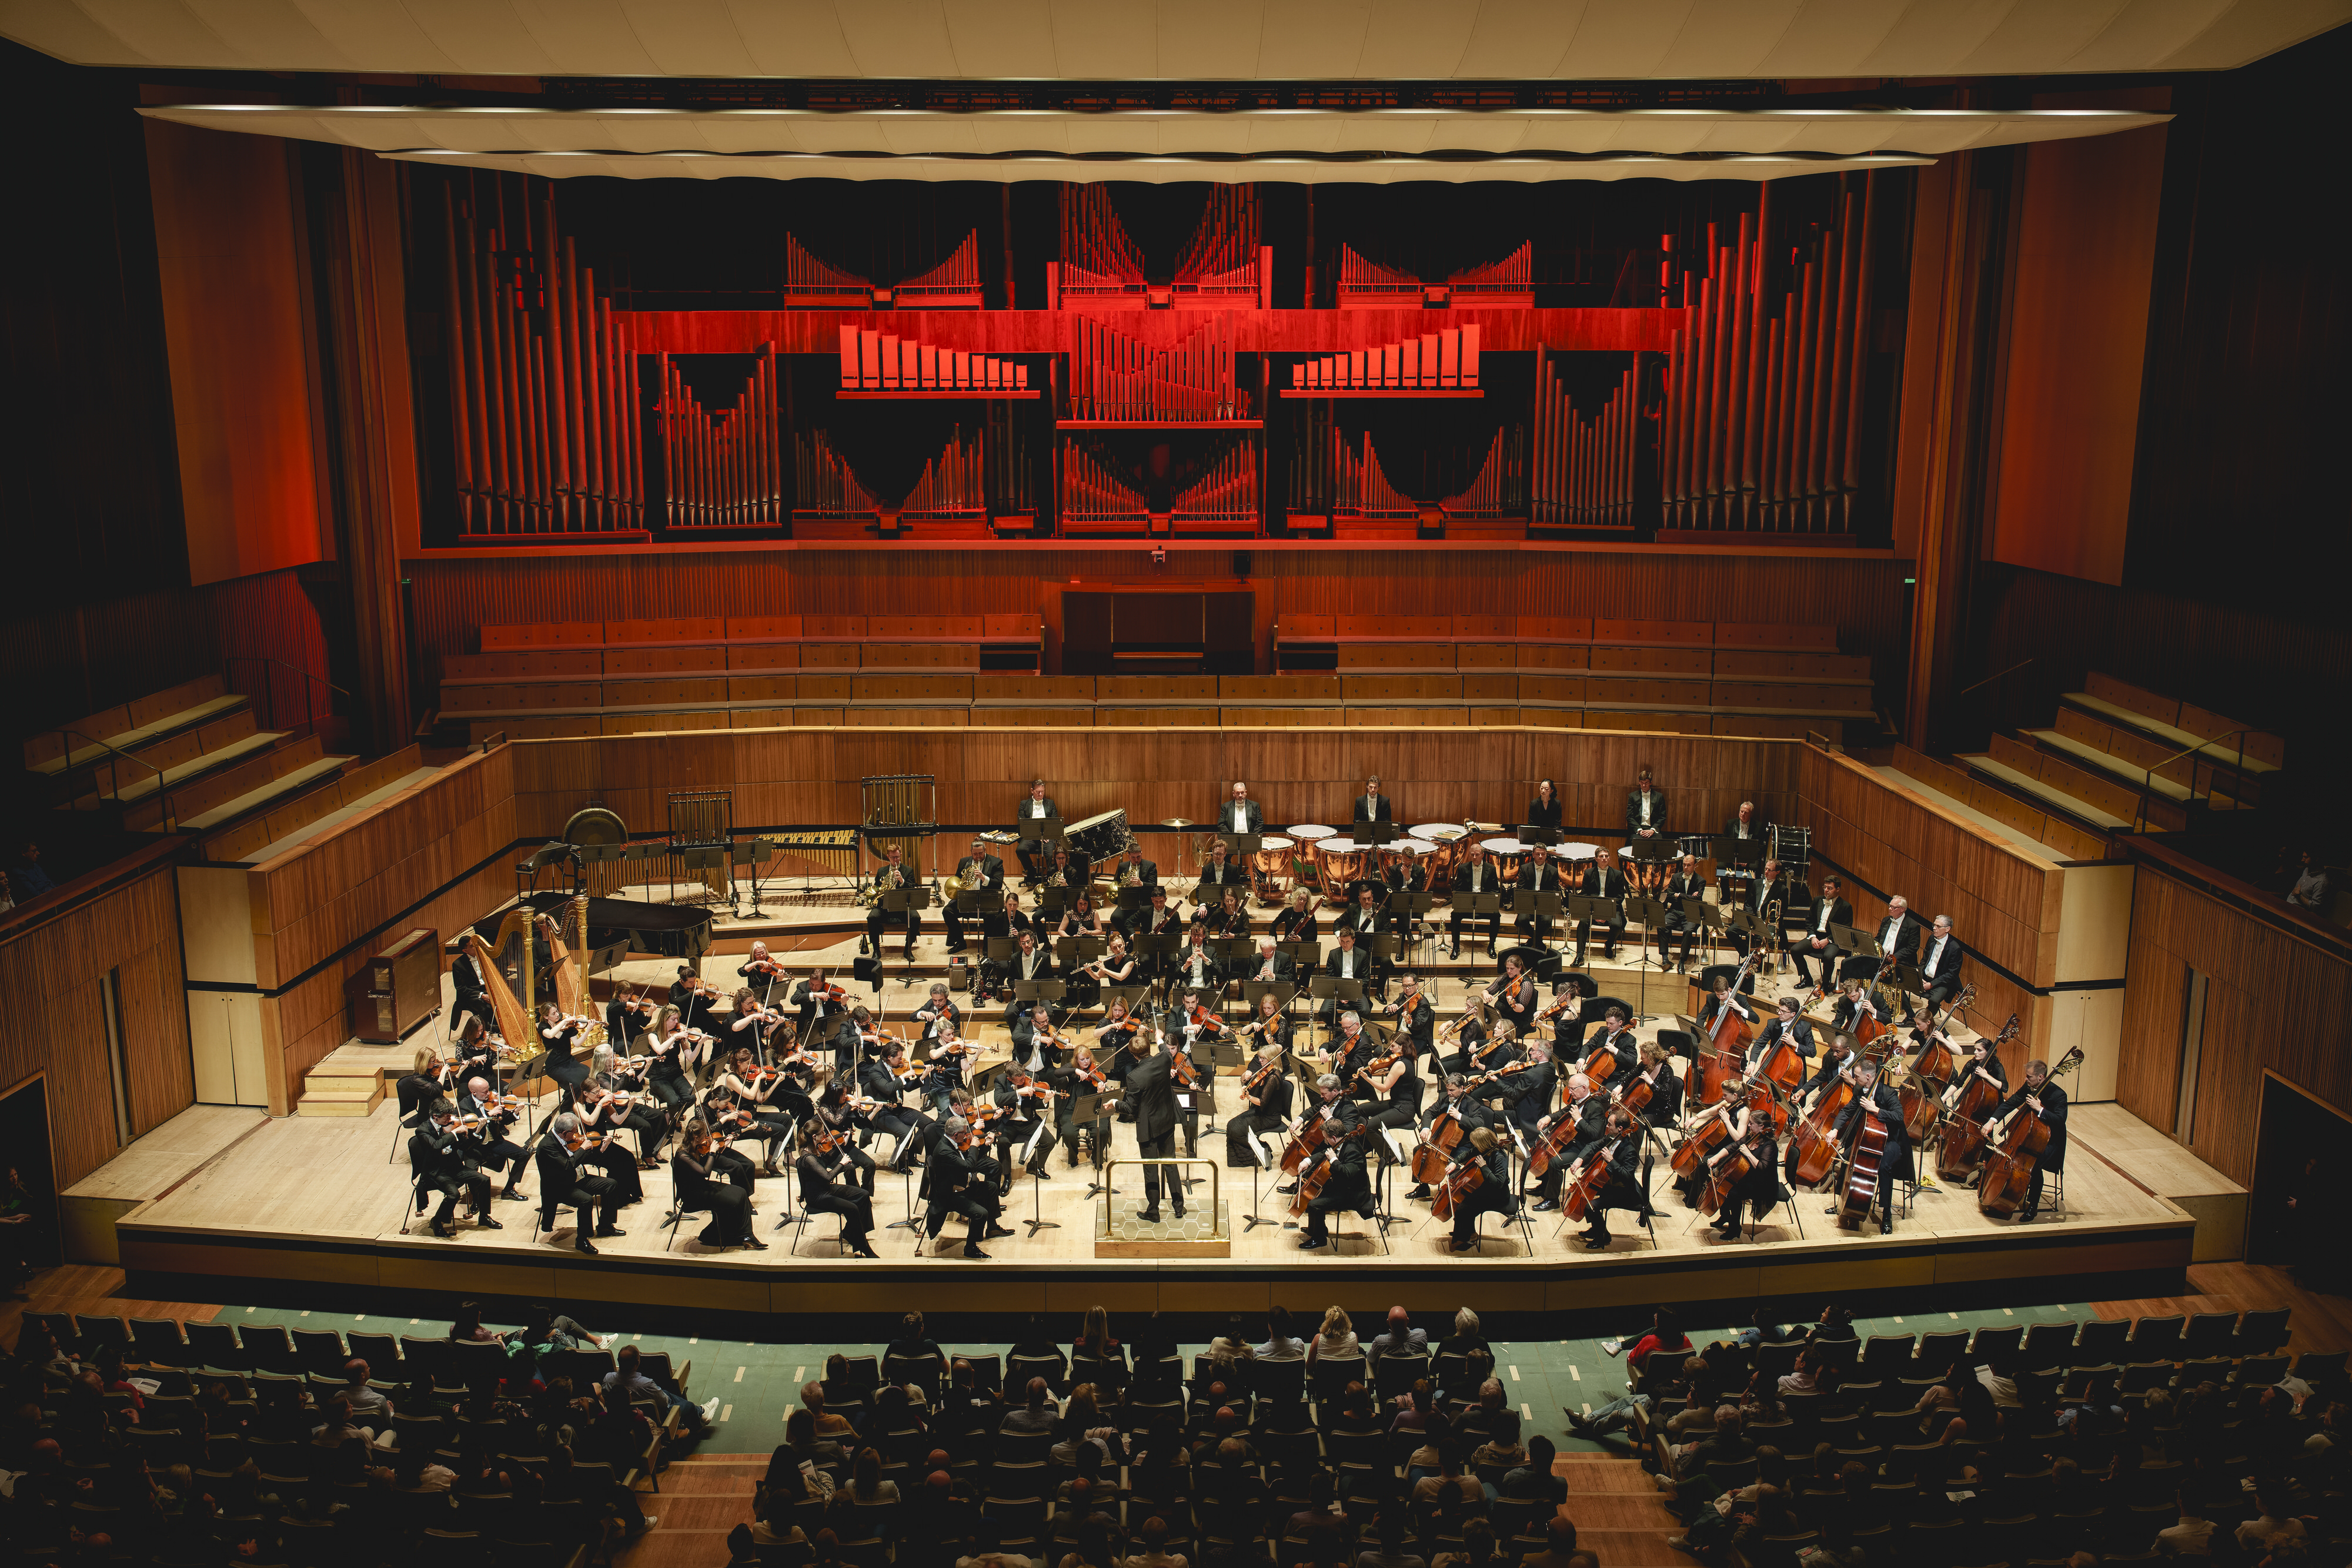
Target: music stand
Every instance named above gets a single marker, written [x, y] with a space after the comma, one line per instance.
[1091, 1111]
[1388, 945]
[1131, 994]
[1653, 915]
[900, 901]
[1375, 835]
[1159, 951]
[1052, 901]
[1135, 896]
[1235, 949]
[1302, 955]
[1047, 991]
[1344, 994]
[1590, 909]
[1253, 989]
[1080, 950]
[1241, 845]
[1726, 851]
[1709, 918]
[1488, 905]
[1044, 831]
[1541, 903]
[1528, 833]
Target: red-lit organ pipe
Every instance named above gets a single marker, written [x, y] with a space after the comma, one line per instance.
[1764, 382]
[543, 396]
[726, 469]
[1582, 470]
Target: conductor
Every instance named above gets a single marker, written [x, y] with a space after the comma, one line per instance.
[1151, 1100]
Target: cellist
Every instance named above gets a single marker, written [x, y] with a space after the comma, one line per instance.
[1838, 1061]
[1611, 1057]
[1472, 1114]
[1347, 1187]
[1759, 1190]
[1482, 1151]
[1589, 1113]
[1874, 1096]
[1786, 1024]
[2047, 1101]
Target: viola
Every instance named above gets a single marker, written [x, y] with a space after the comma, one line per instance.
[1263, 1075]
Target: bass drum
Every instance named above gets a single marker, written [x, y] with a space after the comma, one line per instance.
[1100, 837]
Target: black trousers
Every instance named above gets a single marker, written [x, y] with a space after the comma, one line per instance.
[1069, 1130]
[730, 1213]
[953, 918]
[901, 1124]
[593, 1192]
[978, 1211]
[1943, 990]
[619, 1169]
[1494, 927]
[1015, 1139]
[473, 1185]
[856, 1209]
[672, 1092]
[1805, 955]
[1616, 930]
[1347, 1189]
[1677, 926]
[1162, 1147]
[1238, 1151]
[1493, 1196]
[506, 1156]
[878, 918]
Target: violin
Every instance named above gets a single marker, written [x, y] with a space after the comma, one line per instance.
[824, 1140]
[1258, 1080]
[1560, 1004]
[588, 1138]
[1379, 1066]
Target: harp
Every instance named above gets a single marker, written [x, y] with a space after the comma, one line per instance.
[514, 1015]
[567, 947]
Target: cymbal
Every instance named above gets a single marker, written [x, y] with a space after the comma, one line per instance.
[1177, 822]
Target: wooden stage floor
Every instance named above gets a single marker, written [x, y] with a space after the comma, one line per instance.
[319, 1203]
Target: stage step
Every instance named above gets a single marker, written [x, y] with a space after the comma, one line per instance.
[1618, 1510]
[340, 1092]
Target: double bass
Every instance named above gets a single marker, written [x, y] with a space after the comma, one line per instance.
[1716, 1054]
[1861, 1188]
[2009, 1163]
[1817, 1146]
[1968, 1103]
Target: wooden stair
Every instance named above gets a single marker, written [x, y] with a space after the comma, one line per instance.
[1619, 1512]
[341, 1092]
[703, 1496]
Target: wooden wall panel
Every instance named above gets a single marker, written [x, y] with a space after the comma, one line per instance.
[50, 1013]
[805, 776]
[2272, 999]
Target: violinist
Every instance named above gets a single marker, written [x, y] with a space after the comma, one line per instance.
[495, 1150]
[1348, 1187]
[694, 999]
[2041, 1097]
[774, 1105]
[430, 1082]
[678, 1051]
[982, 875]
[726, 1122]
[1786, 1024]
[1476, 1048]
[1685, 885]
[1759, 1192]
[629, 1016]
[1081, 918]
[1416, 1020]
[1874, 1096]
[1589, 1113]
[1537, 875]
[1614, 1053]
[1513, 996]
[1038, 807]
[1268, 966]
[858, 1038]
[702, 1182]
[819, 1004]
[478, 1054]
[893, 876]
[879, 1080]
[1151, 1103]
[761, 972]
[1602, 880]
[960, 1178]
[798, 1066]
[1223, 874]
[1037, 1048]
[1296, 921]
[945, 1078]
[560, 1033]
[940, 1015]
[1477, 874]
[1025, 1130]
[1350, 962]
[1079, 1076]
[1347, 1054]
[1489, 1154]
[1817, 946]
[1525, 1094]
[751, 1026]
[1265, 1098]
[600, 1111]
[1267, 1023]
[1620, 1144]
[1033, 962]
[823, 1166]
[437, 1162]
[1395, 1089]
[564, 1183]
[1113, 1035]
[1467, 1109]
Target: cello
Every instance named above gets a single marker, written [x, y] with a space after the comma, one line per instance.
[1817, 1146]
[1311, 1185]
[1861, 1188]
[1585, 1184]
[1969, 1101]
[1725, 1173]
[1452, 1186]
[1434, 1154]
[1716, 1054]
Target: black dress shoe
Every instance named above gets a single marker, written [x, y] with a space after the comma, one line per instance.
[1180, 1211]
[1149, 1216]
[2026, 1216]
[1421, 1191]
[995, 1233]
[444, 1231]
[1309, 1244]
[584, 1245]
[1287, 1186]
[754, 1243]
[511, 1196]
[487, 1223]
[975, 1252]
[610, 1230]
[1545, 1206]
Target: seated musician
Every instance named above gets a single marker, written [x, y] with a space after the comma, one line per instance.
[1787, 1024]
[694, 997]
[1197, 966]
[1364, 916]
[1475, 874]
[961, 1179]
[1772, 891]
[1897, 937]
[1855, 1004]
[558, 1034]
[1296, 921]
[1665, 1103]
[1268, 966]
[739, 1106]
[561, 1176]
[1394, 1089]
[627, 1018]
[1939, 963]
[1350, 962]
[1746, 824]
[1979, 1061]
[1154, 918]
[1348, 1187]
[1036, 806]
[982, 875]
[1589, 1112]
[1007, 923]
[883, 1080]
[615, 1099]
[679, 1053]
[1025, 1131]
[1513, 996]
[1467, 1109]
[760, 972]
[1037, 1048]
[494, 1150]
[1222, 873]
[1134, 871]
[703, 1181]
[939, 1014]
[479, 1054]
[819, 1004]
[1816, 946]
[1490, 1154]
[1543, 812]
[826, 1168]
[434, 1082]
[944, 1076]
[1030, 961]
[1874, 1096]
[1837, 1059]
[1612, 1056]
[1621, 1144]
[1228, 918]
[1476, 1048]
[773, 1098]
[1537, 875]
[1080, 918]
[1685, 885]
[1760, 1192]
[1737, 1114]
[1118, 1030]
[895, 875]
[1721, 998]
[1406, 874]
[1348, 1050]
[1265, 1105]
[2038, 1096]
[1524, 1096]
[749, 1026]
[1117, 966]
[1602, 880]
[1416, 1018]
[1068, 870]
[602, 1113]
[439, 1162]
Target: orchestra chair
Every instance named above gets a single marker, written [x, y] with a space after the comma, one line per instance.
[679, 1211]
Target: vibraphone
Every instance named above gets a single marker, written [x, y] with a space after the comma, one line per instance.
[829, 852]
